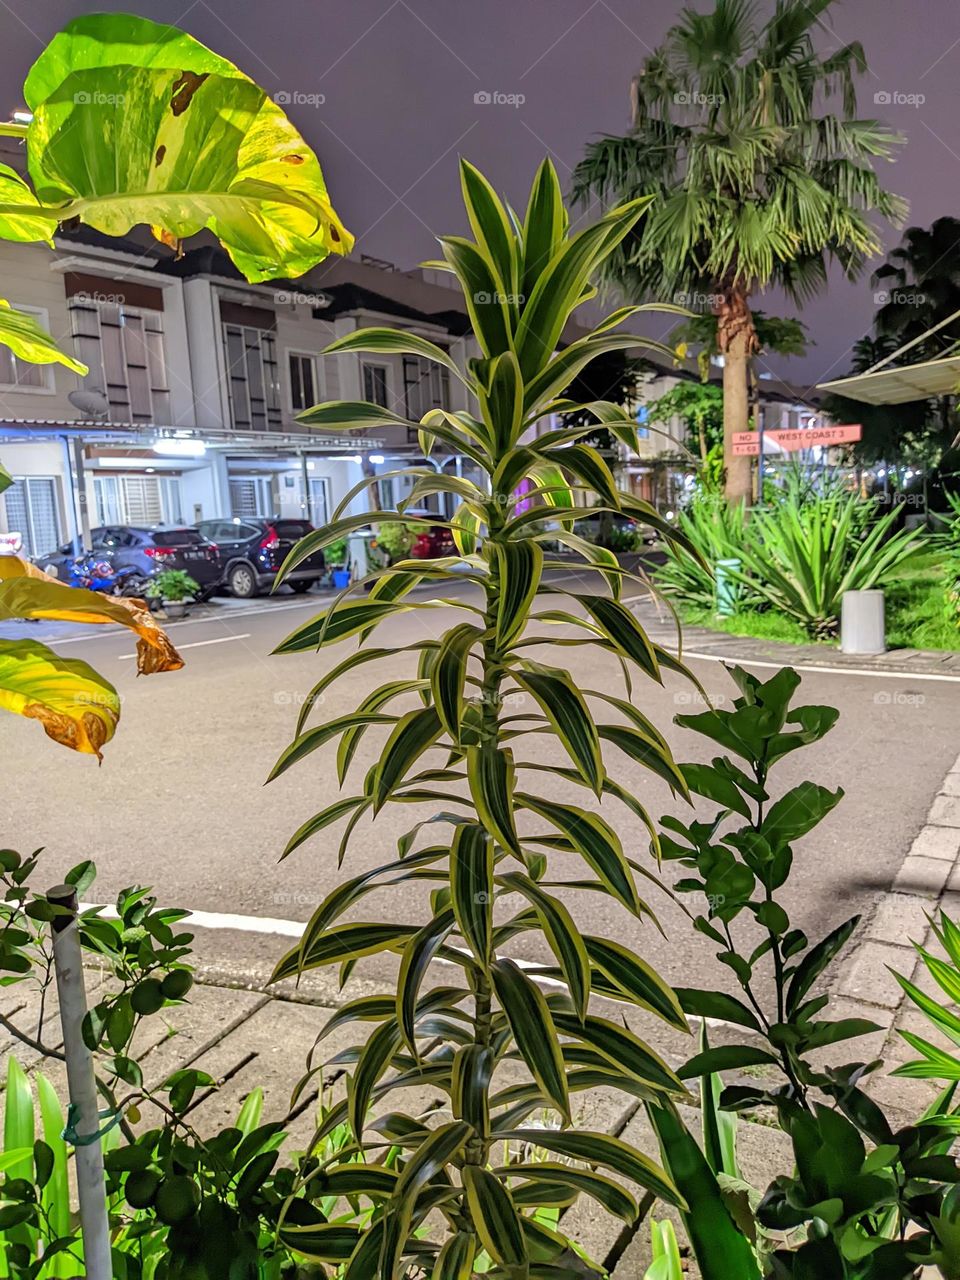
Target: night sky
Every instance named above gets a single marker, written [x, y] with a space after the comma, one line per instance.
[384, 90]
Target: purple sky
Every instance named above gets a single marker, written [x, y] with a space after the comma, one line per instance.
[398, 78]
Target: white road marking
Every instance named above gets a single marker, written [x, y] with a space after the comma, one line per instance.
[194, 644]
[816, 670]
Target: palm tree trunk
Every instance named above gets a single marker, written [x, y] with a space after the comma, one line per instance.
[737, 342]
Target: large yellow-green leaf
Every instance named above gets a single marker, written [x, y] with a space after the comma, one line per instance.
[76, 707]
[25, 338]
[138, 123]
[26, 592]
[23, 227]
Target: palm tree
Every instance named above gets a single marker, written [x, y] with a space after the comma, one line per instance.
[758, 181]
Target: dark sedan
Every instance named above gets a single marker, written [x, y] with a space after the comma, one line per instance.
[252, 551]
[146, 549]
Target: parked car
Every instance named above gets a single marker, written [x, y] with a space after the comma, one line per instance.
[252, 551]
[622, 532]
[144, 549]
[430, 543]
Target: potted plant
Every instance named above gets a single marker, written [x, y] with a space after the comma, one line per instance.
[337, 556]
[173, 588]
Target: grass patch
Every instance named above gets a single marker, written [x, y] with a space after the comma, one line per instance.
[768, 625]
[917, 614]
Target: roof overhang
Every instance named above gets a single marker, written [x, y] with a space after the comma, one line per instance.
[146, 434]
[900, 384]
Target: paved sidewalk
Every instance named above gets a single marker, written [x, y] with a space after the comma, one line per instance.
[662, 628]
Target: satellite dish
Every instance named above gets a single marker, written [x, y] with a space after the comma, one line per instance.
[91, 402]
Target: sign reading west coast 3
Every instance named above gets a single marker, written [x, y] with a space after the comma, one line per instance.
[747, 443]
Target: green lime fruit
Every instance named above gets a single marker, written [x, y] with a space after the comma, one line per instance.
[141, 1187]
[177, 983]
[177, 1199]
[147, 996]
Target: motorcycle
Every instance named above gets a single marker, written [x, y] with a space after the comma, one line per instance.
[99, 575]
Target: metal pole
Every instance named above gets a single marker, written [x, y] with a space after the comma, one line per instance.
[81, 491]
[82, 1086]
[305, 482]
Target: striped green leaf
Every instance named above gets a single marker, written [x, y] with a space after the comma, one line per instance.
[495, 1216]
[417, 957]
[562, 934]
[635, 744]
[519, 566]
[533, 1029]
[623, 630]
[320, 821]
[544, 225]
[635, 978]
[456, 1258]
[622, 1048]
[501, 402]
[565, 708]
[471, 887]
[470, 1086]
[483, 293]
[413, 734]
[590, 469]
[594, 839]
[375, 1057]
[600, 1188]
[373, 702]
[327, 1242]
[307, 742]
[338, 623]
[613, 1153]
[430, 1159]
[346, 942]
[399, 342]
[449, 672]
[491, 775]
[491, 226]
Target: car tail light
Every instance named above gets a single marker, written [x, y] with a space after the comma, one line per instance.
[269, 541]
[213, 551]
[157, 553]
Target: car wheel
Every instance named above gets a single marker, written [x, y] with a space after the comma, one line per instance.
[242, 581]
[301, 585]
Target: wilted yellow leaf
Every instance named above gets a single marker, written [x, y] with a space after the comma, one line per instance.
[77, 707]
[27, 592]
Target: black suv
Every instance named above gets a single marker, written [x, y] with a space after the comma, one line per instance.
[146, 549]
[252, 551]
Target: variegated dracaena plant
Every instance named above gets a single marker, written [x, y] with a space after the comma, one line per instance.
[450, 743]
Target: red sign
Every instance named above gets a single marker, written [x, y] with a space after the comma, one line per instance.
[746, 444]
[807, 437]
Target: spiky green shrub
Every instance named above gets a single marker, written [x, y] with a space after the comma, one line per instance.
[496, 846]
[718, 530]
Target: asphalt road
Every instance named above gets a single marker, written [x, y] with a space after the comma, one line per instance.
[179, 801]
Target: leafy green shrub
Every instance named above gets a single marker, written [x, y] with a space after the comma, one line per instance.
[395, 539]
[718, 530]
[491, 876]
[801, 557]
[336, 553]
[174, 585]
[844, 1211]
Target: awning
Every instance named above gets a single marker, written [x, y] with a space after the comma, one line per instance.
[901, 383]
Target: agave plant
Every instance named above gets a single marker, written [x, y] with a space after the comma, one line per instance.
[719, 532]
[802, 556]
[450, 743]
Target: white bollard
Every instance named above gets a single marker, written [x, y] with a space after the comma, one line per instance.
[82, 1086]
[862, 625]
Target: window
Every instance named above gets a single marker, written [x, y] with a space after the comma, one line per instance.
[137, 499]
[254, 386]
[387, 494]
[33, 511]
[123, 347]
[21, 374]
[375, 384]
[426, 386]
[302, 381]
[319, 501]
[250, 496]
